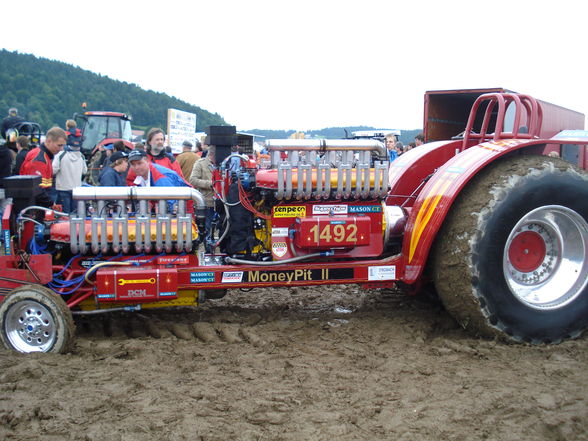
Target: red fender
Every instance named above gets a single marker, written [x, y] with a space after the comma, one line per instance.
[437, 196]
[409, 170]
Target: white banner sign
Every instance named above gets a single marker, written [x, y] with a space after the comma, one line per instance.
[181, 126]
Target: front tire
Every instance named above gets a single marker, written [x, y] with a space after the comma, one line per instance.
[511, 260]
[35, 319]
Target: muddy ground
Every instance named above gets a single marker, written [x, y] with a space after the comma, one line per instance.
[335, 363]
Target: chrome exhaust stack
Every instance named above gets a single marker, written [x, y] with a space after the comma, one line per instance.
[144, 240]
[312, 162]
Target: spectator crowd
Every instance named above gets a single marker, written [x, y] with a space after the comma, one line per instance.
[62, 166]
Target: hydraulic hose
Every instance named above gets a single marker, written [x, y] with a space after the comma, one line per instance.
[100, 265]
[278, 262]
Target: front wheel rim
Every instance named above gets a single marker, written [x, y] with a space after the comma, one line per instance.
[30, 327]
[545, 259]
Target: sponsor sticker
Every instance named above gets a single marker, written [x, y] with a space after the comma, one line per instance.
[232, 277]
[279, 232]
[382, 272]
[329, 209]
[89, 263]
[135, 293]
[279, 249]
[290, 211]
[106, 296]
[168, 260]
[365, 208]
[298, 275]
[167, 294]
[202, 277]
[6, 238]
[123, 282]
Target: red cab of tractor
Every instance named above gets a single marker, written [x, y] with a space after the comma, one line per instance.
[100, 128]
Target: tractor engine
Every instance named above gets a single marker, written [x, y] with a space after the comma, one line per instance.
[122, 220]
[315, 198]
[323, 198]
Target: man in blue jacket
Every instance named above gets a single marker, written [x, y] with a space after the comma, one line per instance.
[149, 174]
[111, 175]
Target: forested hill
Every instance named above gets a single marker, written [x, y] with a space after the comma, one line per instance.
[49, 92]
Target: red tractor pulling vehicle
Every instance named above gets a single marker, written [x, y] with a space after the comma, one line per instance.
[489, 218]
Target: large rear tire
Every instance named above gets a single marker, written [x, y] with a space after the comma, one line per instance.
[511, 260]
[35, 319]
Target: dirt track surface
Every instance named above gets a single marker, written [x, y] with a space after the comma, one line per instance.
[335, 363]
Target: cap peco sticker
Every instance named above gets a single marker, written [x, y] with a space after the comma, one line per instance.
[232, 277]
[290, 211]
[382, 272]
[279, 249]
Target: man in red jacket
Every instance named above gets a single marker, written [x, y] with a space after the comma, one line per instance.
[157, 155]
[39, 162]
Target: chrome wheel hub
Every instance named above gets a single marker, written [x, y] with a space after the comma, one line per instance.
[545, 261]
[30, 327]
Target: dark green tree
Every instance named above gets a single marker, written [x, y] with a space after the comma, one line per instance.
[49, 92]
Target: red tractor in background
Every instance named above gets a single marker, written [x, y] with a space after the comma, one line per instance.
[490, 216]
[99, 129]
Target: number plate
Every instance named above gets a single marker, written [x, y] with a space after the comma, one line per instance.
[332, 231]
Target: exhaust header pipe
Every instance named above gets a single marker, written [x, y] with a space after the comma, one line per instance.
[141, 194]
[326, 145]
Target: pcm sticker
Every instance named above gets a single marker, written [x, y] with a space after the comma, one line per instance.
[279, 249]
[382, 272]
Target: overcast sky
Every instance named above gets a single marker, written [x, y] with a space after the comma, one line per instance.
[309, 64]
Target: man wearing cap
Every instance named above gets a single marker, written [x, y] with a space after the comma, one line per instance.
[103, 158]
[111, 174]
[148, 174]
[156, 154]
[10, 121]
[186, 159]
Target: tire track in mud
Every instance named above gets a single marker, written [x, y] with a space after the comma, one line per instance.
[137, 326]
[259, 317]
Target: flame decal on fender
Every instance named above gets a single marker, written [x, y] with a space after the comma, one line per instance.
[439, 188]
[427, 210]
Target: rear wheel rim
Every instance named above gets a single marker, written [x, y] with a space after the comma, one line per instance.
[545, 260]
[30, 327]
